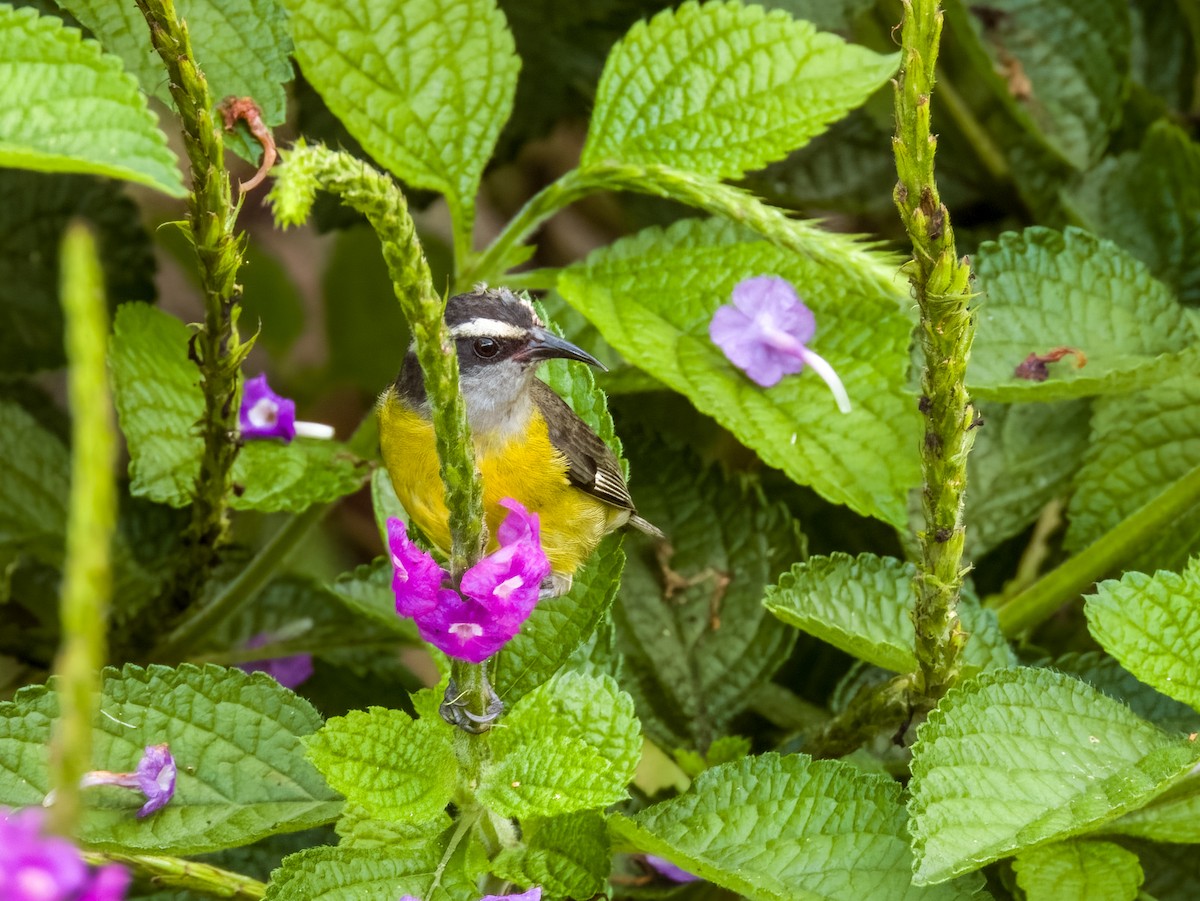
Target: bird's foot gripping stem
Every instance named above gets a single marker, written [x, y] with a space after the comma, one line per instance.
[457, 710]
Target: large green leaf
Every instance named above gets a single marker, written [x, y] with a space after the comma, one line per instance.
[1172, 817]
[722, 88]
[1079, 871]
[1099, 669]
[652, 296]
[159, 402]
[863, 605]
[571, 744]
[1061, 67]
[1148, 201]
[1044, 289]
[567, 856]
[59, 93]
[1150, 624]
[690, 621]
[1140, 444]
[33, 492]
[1020, 757]
[425, 86]
[394, 767]
[241, 46]
[235, 738]
[787, 828]
[34, 210]
[1014, 473]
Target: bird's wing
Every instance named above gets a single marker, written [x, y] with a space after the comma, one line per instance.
[591, 466]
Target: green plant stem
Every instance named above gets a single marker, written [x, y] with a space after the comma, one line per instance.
[216, 348]
[875, 709]
[940, 282]
[1105, 555]
[375, 195]
[87, 573]
[843, 254]
[189, 875]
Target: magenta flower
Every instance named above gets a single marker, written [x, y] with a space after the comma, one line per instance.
[668, 870]
[416, 577]
[154, 778]
[290, 672]
[265, 414]
[498, 593]
[39, 867]
[764, 332]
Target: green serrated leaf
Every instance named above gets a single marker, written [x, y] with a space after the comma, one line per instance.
[1045, 289]
[1021, 757]
[1150, 623]
[359, 829]
[1061, 67]
[559, 626]
[367, 591]
[1148, 201]
[1174, 816]
[722, 88]
[235, 738]
[159, 402]
[567, 856]
[863, 605]
[241, 46]
[34, 210]
[787, 828]
[394, 767]
[1079, 871]
[58, 92]
[1098, 669]
[1140, 444]
[425, 86]
[652, 296]
[690, 622]
[358, 873]
[571, 744]
[1014, 471]
[33, 492]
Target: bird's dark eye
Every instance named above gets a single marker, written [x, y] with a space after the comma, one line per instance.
[486, 347]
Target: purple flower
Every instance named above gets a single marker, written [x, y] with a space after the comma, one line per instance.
[534, 894]
[39, 867]
[264, 414]
[764, 332]
[497, 594]
[290, 672]
[154, 778]
[416, 576]
[668, 870]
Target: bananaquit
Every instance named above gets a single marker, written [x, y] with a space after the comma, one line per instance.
[529, 445]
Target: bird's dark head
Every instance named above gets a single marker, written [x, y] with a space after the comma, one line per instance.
[494, 327]
[500, 342]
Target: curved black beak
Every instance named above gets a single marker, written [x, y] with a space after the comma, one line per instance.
[545, 345]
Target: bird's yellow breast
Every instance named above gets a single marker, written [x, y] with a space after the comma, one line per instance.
[526, 467]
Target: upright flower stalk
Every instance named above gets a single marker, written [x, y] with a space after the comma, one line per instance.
[941, 286]
[216, 348]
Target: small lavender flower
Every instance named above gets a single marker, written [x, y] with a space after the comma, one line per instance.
[265, 414]
[154, 778]
[498, 593]
[533, 894]
[290, 672]
[764, 333]
[35, 866]
[668, 870]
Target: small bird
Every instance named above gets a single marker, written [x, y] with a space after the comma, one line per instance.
[529, 445]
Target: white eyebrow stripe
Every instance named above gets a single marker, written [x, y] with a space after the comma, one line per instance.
[488, 328]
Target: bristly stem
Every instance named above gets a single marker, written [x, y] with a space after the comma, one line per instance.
[941, 286]
[87, 575]
[305, 170]
[191, 875]
[216, 347]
